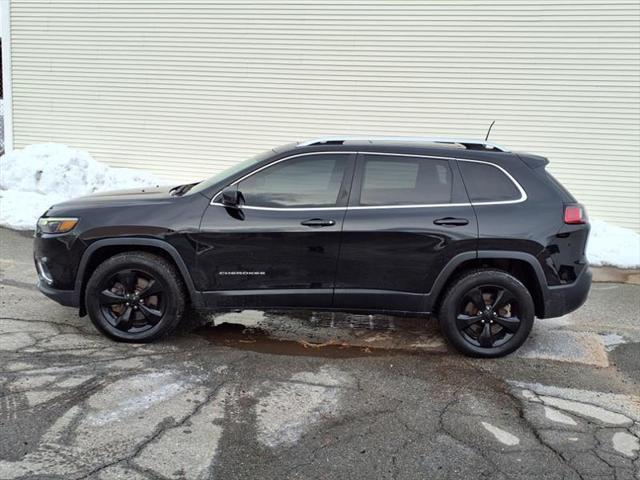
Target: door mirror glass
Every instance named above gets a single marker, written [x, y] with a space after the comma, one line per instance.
[231, 197]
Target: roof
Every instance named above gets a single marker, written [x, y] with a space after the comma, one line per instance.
[468, 144]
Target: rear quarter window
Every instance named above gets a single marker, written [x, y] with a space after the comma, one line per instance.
[487, 183]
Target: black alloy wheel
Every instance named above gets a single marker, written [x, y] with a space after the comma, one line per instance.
[486, 313]
[132, 300]
[488, 316]
[135, 297]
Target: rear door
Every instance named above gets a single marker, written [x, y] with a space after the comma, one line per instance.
[280, 248]
[408, 216]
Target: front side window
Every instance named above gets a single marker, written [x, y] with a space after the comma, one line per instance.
[487, 183]
[307, 181]
[398, 180]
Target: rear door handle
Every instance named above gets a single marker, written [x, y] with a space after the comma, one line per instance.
[318, 222]
[451, 221]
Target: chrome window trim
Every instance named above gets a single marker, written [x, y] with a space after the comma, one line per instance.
[523, 193]
[356, 207]
[292, 209]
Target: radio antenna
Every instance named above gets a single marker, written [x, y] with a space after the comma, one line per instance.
[489, 131]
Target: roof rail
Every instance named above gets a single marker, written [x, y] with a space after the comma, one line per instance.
[467, 143]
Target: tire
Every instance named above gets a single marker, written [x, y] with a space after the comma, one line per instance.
[135, 297]
[489, 325]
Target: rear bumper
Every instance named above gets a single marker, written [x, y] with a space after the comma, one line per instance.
[562, 299]
[68, 298]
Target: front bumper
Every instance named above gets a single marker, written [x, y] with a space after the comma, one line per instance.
[68, 298]
[56, 258]
[562, 299]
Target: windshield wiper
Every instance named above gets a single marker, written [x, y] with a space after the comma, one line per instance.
[182, 189]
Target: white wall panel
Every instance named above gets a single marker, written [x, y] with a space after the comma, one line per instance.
[187, 88]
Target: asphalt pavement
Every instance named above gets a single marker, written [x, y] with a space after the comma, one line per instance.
[312, 396]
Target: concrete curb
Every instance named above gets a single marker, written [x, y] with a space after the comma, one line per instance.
[616, 275]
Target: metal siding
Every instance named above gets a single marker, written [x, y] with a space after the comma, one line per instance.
[186, 88]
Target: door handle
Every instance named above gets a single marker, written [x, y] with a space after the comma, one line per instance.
[451, 222]
[318, 222]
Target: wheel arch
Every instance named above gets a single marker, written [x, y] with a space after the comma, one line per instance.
[99, 251]
[524, 266]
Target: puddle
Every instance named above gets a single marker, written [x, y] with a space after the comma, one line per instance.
[255, 339]
[329, 335]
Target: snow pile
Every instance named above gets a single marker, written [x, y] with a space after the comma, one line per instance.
[612, 245]
[38, 176]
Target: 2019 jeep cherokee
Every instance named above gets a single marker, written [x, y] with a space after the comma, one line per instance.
[484, 238]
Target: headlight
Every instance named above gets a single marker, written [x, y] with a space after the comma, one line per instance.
[56, 225]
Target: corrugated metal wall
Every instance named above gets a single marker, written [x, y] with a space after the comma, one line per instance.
[187, 88]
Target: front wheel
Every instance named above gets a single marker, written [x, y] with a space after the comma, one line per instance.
[135, 297]
[487, 313]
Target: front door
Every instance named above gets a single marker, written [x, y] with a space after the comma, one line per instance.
[280, 248]
[408, 216]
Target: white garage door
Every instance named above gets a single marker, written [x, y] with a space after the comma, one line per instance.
[187, 88]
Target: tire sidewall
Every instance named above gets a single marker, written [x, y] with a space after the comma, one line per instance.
[451, 302]
[174, 304]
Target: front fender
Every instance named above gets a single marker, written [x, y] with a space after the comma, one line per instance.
[149, 243]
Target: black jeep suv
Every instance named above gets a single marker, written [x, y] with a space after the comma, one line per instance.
[483, 238]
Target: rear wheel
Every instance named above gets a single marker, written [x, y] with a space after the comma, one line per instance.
[487, 313]
[135, 297]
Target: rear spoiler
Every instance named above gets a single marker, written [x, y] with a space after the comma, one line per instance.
[533, 161]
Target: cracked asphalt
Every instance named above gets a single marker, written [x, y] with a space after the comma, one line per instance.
[312, 396]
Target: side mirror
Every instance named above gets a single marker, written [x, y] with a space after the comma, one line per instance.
[232, 197]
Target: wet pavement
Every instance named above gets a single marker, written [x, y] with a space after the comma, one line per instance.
[312, 395]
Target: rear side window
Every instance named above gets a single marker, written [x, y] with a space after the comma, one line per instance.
[307, 181]
[487, 183]
[395, 180]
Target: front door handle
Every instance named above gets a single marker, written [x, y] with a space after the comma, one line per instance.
[318, 222]
[451, 222]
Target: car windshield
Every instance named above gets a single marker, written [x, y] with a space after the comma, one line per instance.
[230, 171]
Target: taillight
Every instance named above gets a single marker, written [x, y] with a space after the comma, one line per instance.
[574, 214]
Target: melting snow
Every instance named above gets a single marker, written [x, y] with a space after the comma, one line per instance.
[586, 410]
[557, 416]
[612, 340]
[292, 407]
[625, 443]
[501, 435]
[133, 395]
[627, 405]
